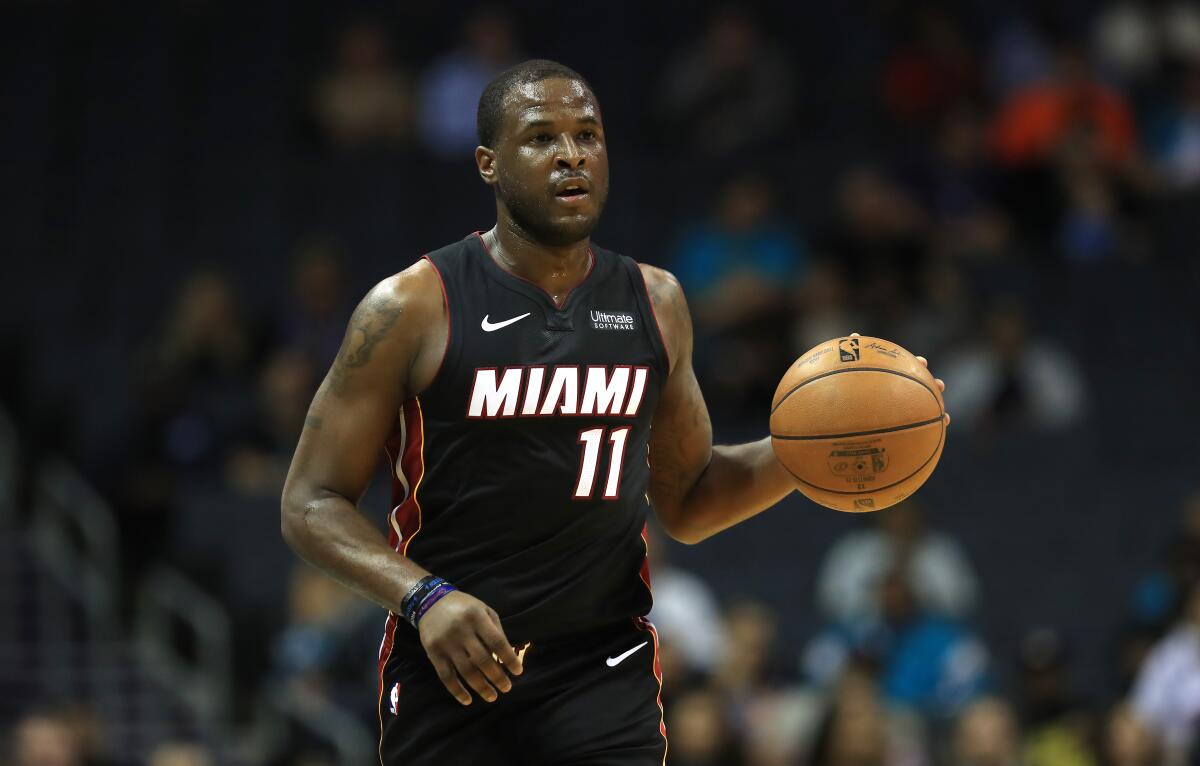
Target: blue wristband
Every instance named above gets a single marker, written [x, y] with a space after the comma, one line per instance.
[432, 598]
[417, 594]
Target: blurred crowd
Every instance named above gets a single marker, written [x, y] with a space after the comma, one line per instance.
[1028, 145]
[899, 675]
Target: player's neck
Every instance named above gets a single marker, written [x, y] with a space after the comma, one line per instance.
[550, 267]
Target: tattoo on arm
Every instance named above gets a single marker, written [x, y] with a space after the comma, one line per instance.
[313, 422]
[368, 327]
[373, 327]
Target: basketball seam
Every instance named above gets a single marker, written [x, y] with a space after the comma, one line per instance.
[931, 421]
[798, 386]
[941, 440]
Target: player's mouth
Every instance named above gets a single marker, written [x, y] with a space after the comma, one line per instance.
[572, 190]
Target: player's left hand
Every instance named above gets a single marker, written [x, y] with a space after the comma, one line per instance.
[940, 383]
[465, 642]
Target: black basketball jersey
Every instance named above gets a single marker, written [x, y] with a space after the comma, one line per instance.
[520, 474]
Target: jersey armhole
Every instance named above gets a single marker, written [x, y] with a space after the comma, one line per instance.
[657, 339]
[449, 327]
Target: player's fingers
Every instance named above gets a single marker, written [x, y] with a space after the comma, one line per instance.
[940, 384]
[947, 420]
[493, 638]
[491, 669]
[855, 335]
[474, 678]
[923, 360]
[449, 679]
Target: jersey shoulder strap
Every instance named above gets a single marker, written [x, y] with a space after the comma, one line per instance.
[641, 293]
[459, 271]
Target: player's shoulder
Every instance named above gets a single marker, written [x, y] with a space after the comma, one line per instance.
[414, 293]
[459, 249]
[660, 282]
[412, 285]
[670, 310]
[665, 291]
[666, 294]
[426, 278]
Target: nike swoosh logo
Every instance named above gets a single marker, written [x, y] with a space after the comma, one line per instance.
[490, 327]
[615, 661]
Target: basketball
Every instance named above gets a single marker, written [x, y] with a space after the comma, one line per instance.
[859, 423]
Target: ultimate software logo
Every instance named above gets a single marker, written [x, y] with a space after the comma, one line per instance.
[611, 320]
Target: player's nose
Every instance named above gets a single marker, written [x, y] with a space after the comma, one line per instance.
[569, 155]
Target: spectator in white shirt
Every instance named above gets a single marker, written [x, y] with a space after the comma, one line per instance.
[685, 612]
[1012, 378]
[1166, 695]
[940, 574]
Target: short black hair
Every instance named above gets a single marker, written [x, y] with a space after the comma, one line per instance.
[490, 114]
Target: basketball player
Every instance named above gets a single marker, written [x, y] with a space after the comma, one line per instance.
[531, 390]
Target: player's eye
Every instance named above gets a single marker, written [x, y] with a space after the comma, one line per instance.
[542, 138]
[587, 135]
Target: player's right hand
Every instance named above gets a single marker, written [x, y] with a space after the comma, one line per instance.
[463, 638]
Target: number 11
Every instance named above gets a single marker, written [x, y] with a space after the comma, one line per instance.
[590, 439]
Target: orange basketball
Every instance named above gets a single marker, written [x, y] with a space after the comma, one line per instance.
[859, 422]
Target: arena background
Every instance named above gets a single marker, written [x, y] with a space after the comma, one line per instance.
[196, 193]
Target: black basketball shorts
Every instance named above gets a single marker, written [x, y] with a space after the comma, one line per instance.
[590, 700]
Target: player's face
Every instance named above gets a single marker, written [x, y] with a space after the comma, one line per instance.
[551, 161]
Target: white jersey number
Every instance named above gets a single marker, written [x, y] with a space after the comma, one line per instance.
[592, 439]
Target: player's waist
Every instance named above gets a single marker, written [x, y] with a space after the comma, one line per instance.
[576, 641]
[479, 531]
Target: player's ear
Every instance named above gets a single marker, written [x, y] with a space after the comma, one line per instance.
[485, 161]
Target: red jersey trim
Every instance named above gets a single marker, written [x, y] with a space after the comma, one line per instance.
[406, 456]
[643, 624]
[407, 460]
[413, 464]
[385, 654]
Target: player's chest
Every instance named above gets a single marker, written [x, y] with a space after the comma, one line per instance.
[529, 358]
[506, 328]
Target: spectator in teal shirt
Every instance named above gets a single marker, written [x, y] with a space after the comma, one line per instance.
[930, 663]
[738, 272]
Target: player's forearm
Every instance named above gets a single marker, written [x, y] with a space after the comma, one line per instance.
[740, 481]
[328, 531]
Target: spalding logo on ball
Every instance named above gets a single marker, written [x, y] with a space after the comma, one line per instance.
[859, 423]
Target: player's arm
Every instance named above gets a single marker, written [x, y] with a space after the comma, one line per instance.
[384, 359]
[698, 489]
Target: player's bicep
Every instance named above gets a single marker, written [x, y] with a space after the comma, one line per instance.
[681, 431]
[359, 400]
[680, 441]
[340, 444]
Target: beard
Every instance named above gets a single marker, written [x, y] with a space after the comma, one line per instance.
[531, 216]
